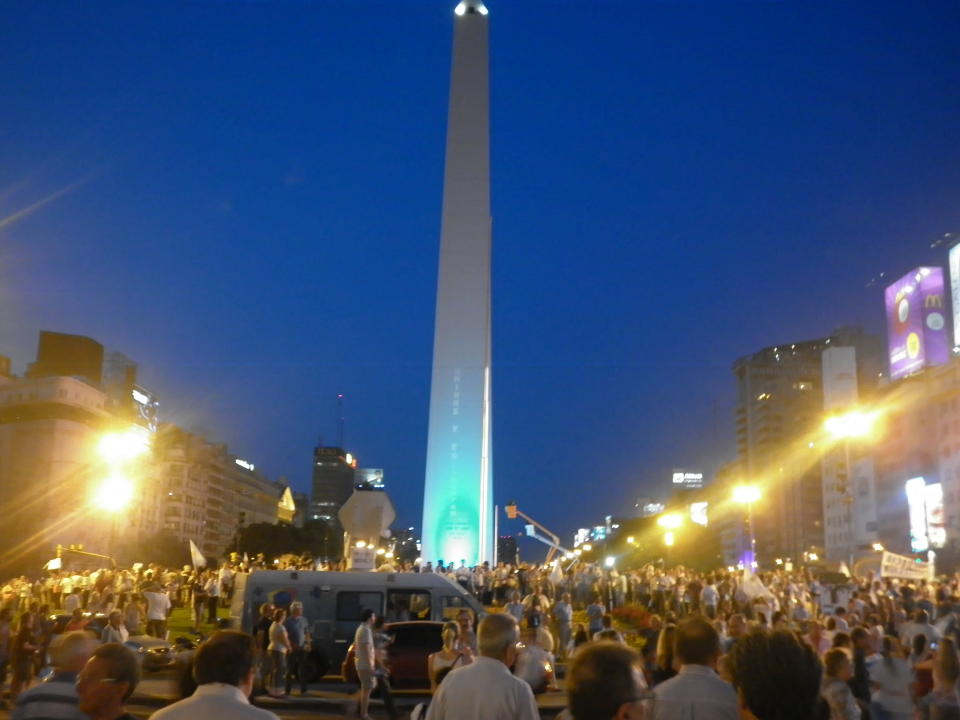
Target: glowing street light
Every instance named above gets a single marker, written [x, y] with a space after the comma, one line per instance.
[878, 547]
[670, 520]
[668, 539]
[361, 544]
[588, 547]
[852, 424]
[631, 540]
[381, 551]
[746, 494]
[114, 493]
[120, 447]
[609, 561]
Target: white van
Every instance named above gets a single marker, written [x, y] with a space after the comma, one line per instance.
[333, 601]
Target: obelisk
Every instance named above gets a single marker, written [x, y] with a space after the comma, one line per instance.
[458, 494]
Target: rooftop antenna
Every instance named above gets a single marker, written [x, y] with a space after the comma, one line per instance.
[341, 422]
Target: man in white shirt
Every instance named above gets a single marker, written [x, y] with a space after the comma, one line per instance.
[696, 691]
[485, 689]
[158, 608]
[365, 658]
[225, 668]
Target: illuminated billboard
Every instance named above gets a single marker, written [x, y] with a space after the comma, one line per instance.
[936, 528]
[916, 323]
[916, 504]
[688, 480]
[954, 262]
[698, 513]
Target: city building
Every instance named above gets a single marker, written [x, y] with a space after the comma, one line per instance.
[458, 517]
[206, 494]
[334, 480]
[780, 407]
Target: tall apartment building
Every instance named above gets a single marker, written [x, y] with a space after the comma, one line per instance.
[779, 408]
[206, 493]
[334, 480]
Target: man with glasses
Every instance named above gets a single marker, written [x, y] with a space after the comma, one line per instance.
[107, 681]
[605, 682]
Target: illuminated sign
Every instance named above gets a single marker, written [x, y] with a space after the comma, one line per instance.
[933, 502]
[653, 509]
[244, 464]
[698, 513]
[582, 536]
[916, 323]
[140, 397]
[916, 504]
[954, 262]
[688, 480]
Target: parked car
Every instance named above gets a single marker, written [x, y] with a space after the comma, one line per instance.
[152, 653]
[407, 655]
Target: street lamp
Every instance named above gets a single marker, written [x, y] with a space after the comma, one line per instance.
[670, 521]
[748, 495]
[668, 539]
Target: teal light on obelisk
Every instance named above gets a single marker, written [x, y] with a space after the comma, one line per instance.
[458, 494]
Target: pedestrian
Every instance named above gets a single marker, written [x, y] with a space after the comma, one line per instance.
[22, 651]
[224, 667]
[605, 682]
[890, 680]
[485, 689]
[278, 647]
[107, 681]
[298, 632]
[837, 672]
[365, 660]
[696, 690]
[450, 655]
[115, 631]
[158, 609]
[563, 618]
[777, 677]
[56, 699]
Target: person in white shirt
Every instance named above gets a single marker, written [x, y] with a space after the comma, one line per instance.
[485, 689]
[224, 667]
[365, 659]
[158, 608]
[115, 631]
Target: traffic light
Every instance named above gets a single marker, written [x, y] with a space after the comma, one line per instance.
[511, 509]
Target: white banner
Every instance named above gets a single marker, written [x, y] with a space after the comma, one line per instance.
[901, 566]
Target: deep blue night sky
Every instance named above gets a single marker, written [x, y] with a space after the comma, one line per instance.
[256, 212]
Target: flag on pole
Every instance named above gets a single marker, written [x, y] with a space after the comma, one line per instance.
[246, 560]
[196, 557]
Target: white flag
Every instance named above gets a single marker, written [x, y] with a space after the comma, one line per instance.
[196, 556]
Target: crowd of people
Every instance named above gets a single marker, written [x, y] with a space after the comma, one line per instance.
[651, 642]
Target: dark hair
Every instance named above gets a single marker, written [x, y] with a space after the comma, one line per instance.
[601, 679]
[366, 614]
[697, 641]
[841, 640]
[123, 664]
[777, 675]
[226, 657]
[919, 643]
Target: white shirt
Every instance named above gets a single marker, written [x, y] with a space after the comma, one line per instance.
[71, 603]
[696, 692]
[483, 690]
[363, 647]
[117, 635]
[157, 605]
[214, 700]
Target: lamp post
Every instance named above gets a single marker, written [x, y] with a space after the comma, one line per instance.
[748, 495]
[114, 494]
[852, 425]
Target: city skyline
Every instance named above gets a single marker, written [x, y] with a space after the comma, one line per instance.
[222, 237]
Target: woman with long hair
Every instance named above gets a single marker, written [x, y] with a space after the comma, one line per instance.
[448, 657]
[665, 664]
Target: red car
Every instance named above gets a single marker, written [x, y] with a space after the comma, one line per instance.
[407, 655]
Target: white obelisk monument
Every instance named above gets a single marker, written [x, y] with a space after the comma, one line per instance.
[458, 496]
